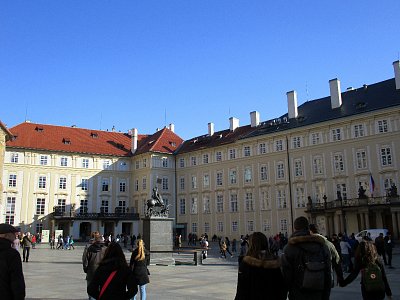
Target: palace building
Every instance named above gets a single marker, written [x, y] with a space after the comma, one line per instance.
[334, 160]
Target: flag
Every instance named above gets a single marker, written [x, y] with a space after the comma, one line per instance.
[371, 184]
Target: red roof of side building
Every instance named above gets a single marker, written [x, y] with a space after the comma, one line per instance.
[164, 141]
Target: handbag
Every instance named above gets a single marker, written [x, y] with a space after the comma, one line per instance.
[110, 277]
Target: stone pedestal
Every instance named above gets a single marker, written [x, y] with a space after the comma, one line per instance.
[158, 239]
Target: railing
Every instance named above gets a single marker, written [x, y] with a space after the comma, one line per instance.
[95, 216]
[355, 202]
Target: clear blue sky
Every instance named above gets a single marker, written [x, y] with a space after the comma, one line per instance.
[146, 63]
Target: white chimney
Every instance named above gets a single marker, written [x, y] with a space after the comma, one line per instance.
[234, 123]
[292, 104]
[210, 129]
[336, 96]
[255, 118]
[396, 66]
[172, 127]
[134, 140]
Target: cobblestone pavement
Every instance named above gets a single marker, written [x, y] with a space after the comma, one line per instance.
[58, 274]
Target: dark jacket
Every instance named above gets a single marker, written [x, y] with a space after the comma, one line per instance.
[26, 242]
[92, 255]
[139, 267]
[358, 266]
[260, 279]
[12, 283]
[299, 242]
[122, 286]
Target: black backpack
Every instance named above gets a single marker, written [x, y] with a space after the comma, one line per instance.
[312, 271]
[371, 277]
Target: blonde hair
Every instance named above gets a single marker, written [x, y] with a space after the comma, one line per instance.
[140, 248]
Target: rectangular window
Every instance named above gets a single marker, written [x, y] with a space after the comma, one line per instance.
[85, 163]
[104, 206]
[137, 185]
[218, 156]
[122, 186]
[232, 153]
[361, 157]
[280, 170]
[249, 202]
[336, 134]
[64, 161]
[193, 160]
[278, 145]
[382, 126]
[194, 182]
[182, 183]
[250, 226]
[296, 142]
[266, 225]
[234, 203]
[338, 162]
[263, 173]
[315, 138]
[144, 183]
[10, 210]
[182, 206]
[61, 205]
[137, 163]
[298, 168]
[246, 151]
[14, 158]
[220, 226]
[165, 162]
[219, 178]
[194, 227]
[84, 184]
[106, 164]
[264, 200]
[83, 208]
[104, 185]
[358, 130]
[341, 191]
[206, 180]
[121, 208]
[284, 225]
[43, 160]
[181, 162]
[234, 226]
[165, 185]
[206, 227]
[262, 148]
[386, 156]
[40, 206]
[193, 205]
[317, 165]
[12, 180]
[300, 197]
[232, 176]
[39, 227]
[42, 182]
[206, 205]
[205, 158]
[220, 203]
[62, 185]
[123, 166]
[144, 162]
[281, 198]
[247, 175]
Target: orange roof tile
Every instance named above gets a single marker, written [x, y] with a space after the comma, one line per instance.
[164, 141]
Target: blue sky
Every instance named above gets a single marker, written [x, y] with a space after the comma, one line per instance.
[145, 64]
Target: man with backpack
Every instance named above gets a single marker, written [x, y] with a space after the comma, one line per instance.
[306, 264]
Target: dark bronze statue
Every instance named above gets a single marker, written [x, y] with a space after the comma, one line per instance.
[361, 193]
[156, 206]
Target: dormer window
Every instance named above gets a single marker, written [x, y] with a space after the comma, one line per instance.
[173, 144]
[94, 135]
[39, 129]
[66, 141]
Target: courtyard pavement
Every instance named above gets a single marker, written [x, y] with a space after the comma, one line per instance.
[58, 274]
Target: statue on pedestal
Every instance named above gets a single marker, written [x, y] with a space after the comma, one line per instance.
[156, 206]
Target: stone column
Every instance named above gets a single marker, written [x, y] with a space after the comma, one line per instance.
[366, 218]
[395, 224]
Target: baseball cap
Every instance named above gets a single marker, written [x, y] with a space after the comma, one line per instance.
[7, 228]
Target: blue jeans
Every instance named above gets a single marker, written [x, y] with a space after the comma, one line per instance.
[142, 289]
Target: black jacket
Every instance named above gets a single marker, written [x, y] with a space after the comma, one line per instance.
[122, 286]
[260, 279]
[12, 283]
[139, 267]
[92, 255]
[299, 242]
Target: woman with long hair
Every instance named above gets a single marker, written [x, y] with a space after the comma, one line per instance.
[260, 276]
[140, 259]
[367, 256]
[113, 278]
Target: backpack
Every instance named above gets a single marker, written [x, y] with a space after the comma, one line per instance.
[371, 277]
[312, 270]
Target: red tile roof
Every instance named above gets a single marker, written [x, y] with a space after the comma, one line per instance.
[164, 141]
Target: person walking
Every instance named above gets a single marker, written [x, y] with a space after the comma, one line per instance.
[306, 264]
[345, 249]
[12, 282]
[259, 275]
[366, 256]
[380, 247]
[26, 246]
[388, 248]
[71, 243]
[140, 259]
[113, 279]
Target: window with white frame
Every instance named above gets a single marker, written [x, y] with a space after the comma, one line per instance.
[234, 226]
[193, 205]
[39, 228]
[205, 158]
[338, 162]
[219, 178]
[84, 184]
[12, 180]
[83, 208]
[156, 160]
[121, 208]
[136, 185]
[42, 182]
[263, 173]
[358, 130]
[281, 198]
[193, 161]
[64, 161]
[386, 156]
[336, 134]
[10, 211]
[266, 225]
[104, 185]
[14, 158]
[298, 167]
[388, 183]
[361, 159]
[262, 148]
[249, 202]
[232, 176]
[206, 205]
[40, 206]
[232, 153]
[165, 162]
[220, 203]
[250, 225]
[383, 126]
[62, 184]
[206, 227]
[104, 206]
[144, 183]
[283, 225]
[144, 162]
[61, 205]
[181, 162]
[165, 185]
[122, 186]
[300, 197]
[182, 183]
[279, 145]
[233, 203]
[318, 165]
[194, 227]
[182, 206]
[220, 226]
[280, 170]
[206, 180]
[248, 177]
[296, 142]
[265, 202]
[106, 164]
[315, 138]
[43, 160]
[85, 163]
[194, 182]
[218, 156]
[246, 151]
[341, 191]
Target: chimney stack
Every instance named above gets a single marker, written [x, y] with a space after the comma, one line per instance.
[233, 123]
[134, 140]
[255, 118]
[210, 129]
[292, 104]
[336, 96]
[172, 127]
[396, 66]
